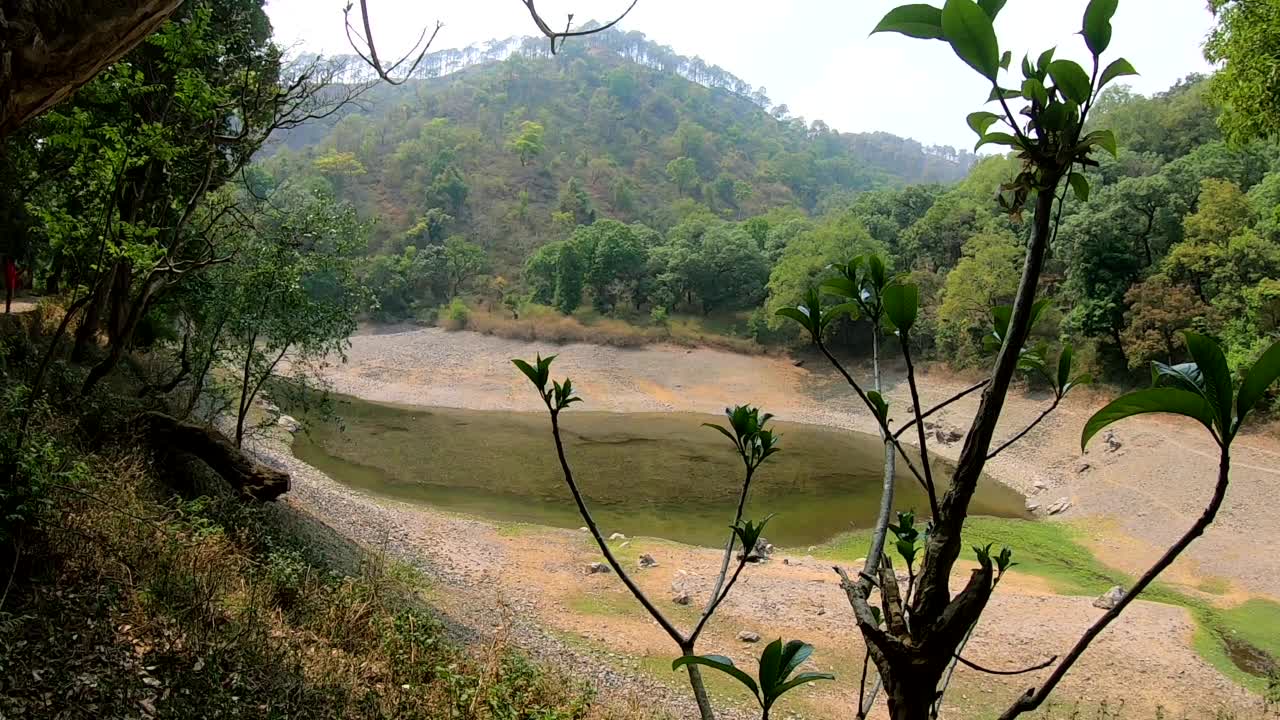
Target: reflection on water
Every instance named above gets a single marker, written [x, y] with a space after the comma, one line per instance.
[656, 474]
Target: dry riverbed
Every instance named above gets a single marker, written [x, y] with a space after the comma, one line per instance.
[1131, 499]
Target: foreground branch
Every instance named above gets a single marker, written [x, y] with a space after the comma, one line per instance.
[250, 478]
[1033, 697]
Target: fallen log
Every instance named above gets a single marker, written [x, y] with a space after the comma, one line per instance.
[174, 438]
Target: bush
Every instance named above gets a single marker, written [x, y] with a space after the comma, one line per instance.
[456, 315]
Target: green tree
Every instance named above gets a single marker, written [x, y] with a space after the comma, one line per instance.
[986, 277]
[683, 171]
[1245, 43]
[527, 141]
[463, 260]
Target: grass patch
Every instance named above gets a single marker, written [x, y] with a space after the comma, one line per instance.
[604, 604]
[1052, 551]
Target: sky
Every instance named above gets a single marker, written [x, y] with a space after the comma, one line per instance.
[813, 55]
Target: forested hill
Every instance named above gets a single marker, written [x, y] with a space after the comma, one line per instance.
[491, 143]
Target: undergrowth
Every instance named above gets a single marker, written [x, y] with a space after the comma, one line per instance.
[121, 599]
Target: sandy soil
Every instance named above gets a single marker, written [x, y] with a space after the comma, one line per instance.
[1136, 497]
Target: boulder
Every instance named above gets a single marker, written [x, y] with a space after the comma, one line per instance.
[760, 553]
[598, 568]
[1032, 506]
[747, 636]
[617, 536]
[647, 561]
[289, 423]
[584, 528]
[1110, 598]
[681, 598]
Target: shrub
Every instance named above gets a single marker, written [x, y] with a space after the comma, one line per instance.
[456, 315]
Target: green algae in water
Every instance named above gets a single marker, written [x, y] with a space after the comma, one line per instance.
[654, 474]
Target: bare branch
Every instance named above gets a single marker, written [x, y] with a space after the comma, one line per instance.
[958, 396]
[1023, 671]
[915, 406]
[567, 33]
[1025, 430]
[370, 53]
[1032, 698]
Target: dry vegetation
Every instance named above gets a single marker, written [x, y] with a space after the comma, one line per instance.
[537, 322]
[122, 599]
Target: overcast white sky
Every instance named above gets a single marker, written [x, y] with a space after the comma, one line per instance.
[813, 55]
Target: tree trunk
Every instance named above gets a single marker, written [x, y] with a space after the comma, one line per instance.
[118, 300]
[91, 323]
[121, 342]
[249, 477]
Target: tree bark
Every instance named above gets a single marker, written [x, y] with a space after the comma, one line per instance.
[91, 323]
[247, 476]
[48, 50]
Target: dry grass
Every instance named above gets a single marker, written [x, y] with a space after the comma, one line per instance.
[545, 324]
[119, 599]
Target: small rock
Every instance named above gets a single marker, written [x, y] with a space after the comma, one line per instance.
[747, 636]
[617, 536]
[822, 611]
[948, 436]
[1032, 506]
[681, 598]
[812, 548]
[1082, 467]
[598, 567]
[584, 528]
[647, 561]
[1113, 443]
[1040, 486]
[798, 363]
[1110, 598]
[625, 544]
[1060, 505]
[288, 423]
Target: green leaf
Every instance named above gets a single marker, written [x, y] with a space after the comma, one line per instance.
[1096, 27]
[1071, 80]
[724, 432]
[999, 92]
[801, 679]
[793, 655]
[991, 7]
[998, 138]
[972, 36]
[1033, 89]
[1119, 68]
[980, 121]
[917, 21]
[1079, 185]
[770, 664]
[721, 663]
[1058, 116]
[1006, 59]
[528, 371]
[901, 304]
[1152, 400]
[1046, 57]
[1183, 375]
[882, 407]
[1064, 368]
[1104, 139]
[800, 316]
[1028, 71]
[840, 287]
[1217, 377]
[1256, 381]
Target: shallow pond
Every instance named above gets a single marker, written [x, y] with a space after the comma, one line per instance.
[655, 474]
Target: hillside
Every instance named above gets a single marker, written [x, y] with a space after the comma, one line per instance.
[614, 118]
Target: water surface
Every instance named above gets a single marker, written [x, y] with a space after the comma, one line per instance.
[655, 474]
